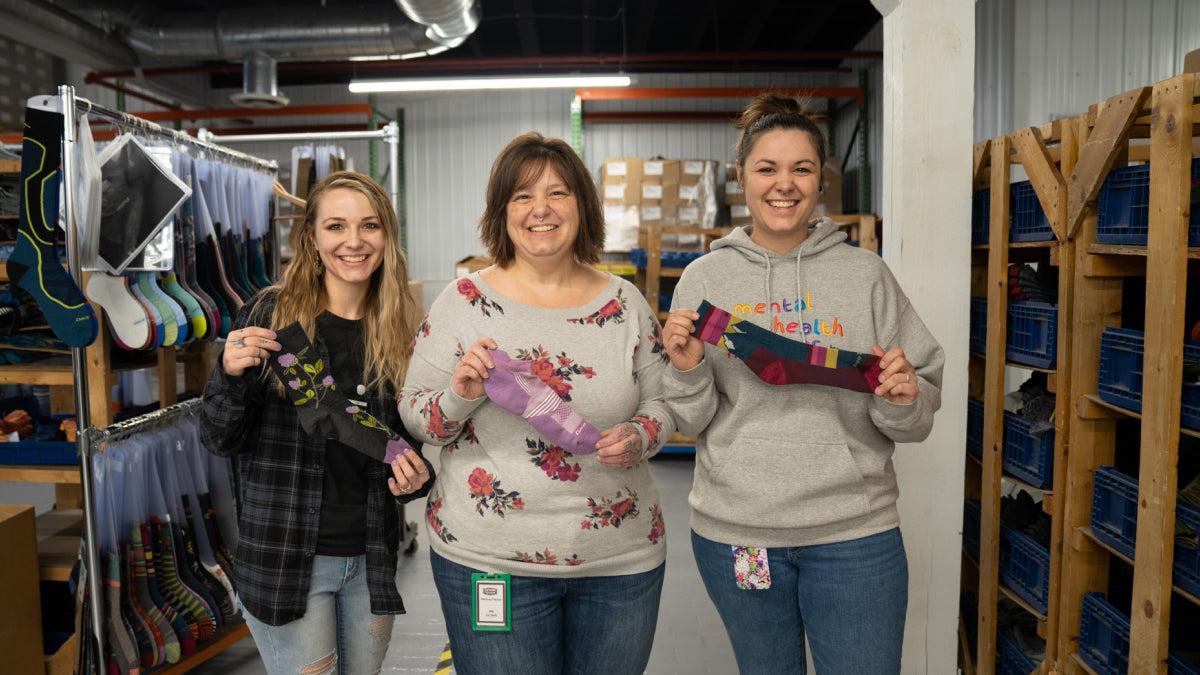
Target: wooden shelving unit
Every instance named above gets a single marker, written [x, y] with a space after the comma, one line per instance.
[1032, 149]
[1067, 163]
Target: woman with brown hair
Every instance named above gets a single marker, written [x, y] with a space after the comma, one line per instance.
[319, 530]
[538, 514]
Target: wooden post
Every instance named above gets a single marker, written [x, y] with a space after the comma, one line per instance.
[1166, 291]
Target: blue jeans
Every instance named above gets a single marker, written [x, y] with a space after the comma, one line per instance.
[850, 598]
[601, 625]
[337, 634]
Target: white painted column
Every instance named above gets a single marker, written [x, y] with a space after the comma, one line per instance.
[928, 94]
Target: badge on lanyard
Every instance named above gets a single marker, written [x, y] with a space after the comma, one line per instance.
[490, 602]
[751, 569]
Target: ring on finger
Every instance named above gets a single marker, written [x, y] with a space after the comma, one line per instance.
[407, 487]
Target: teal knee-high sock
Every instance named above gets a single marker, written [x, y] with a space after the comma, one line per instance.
[34, 263]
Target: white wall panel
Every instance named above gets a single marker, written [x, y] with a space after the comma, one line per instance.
[1069, 54]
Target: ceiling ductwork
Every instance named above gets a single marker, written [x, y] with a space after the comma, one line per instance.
[307, 33]
[259, 83]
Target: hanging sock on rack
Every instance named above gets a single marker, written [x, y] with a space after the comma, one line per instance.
[120, 636]
[258, 265]
[778, 360]
[34, 264]
[127, 319]
[152, 311]
[324, 411]
[197, 323]
[158, 646]
[172, 649]
[174, 322]
[171, 585]
[185, 263]
[180, 623]
[191, 592]
[221, 595]
[514, 387]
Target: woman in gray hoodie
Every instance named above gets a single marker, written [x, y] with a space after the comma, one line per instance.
[799, 362]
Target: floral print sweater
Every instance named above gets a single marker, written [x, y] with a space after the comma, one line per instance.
[507, 500]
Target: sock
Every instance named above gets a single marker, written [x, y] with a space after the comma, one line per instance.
[324, 411]
[127, 320]
[157, 650]
[180, 582]
[170, 648]
[120, 636]
[221, 595]
[175, 625]
[196, 321]
[778, 360]
[170, 312]
[34, 263]
[158, 325]
[513, 386]
[185, 601]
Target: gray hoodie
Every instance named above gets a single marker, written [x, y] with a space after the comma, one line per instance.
[799, 464]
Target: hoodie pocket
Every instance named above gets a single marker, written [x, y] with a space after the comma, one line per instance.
[761, 483]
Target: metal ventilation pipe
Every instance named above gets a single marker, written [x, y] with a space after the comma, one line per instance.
[448, 20]
[259, 83]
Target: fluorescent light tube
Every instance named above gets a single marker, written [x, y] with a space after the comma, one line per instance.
[460, 84]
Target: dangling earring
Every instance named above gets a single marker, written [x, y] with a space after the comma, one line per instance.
[320, 266]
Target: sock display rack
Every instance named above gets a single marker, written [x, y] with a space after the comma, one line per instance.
[1120, 189]
[88, 374]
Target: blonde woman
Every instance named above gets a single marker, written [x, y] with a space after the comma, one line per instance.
[315, 564]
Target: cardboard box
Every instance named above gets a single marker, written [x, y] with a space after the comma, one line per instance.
[621, 170]
[692, 170]
[621, 226]
[628, 192]
[739, 214]
[20, 604]
[661, 170]
[470, 264]
[651, 194]
[733, 193]
[670, 194]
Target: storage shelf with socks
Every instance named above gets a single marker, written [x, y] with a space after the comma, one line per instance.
[1120, 535]
[83, 380]
[1015, 442]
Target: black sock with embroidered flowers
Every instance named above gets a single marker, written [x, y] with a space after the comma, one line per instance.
[324, 411]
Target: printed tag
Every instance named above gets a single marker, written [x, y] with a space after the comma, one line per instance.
[750, 568]
[490, 603]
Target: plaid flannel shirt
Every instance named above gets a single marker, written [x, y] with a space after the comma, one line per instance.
[282, 471]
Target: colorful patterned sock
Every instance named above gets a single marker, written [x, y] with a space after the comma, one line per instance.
[175, 629]
[513, 386]
[324, 411]
[156, 653]
[120, 636]
[210, 578]
[188, 577]
[778, 360]
[34, 264]
[172, 587]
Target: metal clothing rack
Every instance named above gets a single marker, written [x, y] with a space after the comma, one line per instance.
[90, 438]
[390, 134]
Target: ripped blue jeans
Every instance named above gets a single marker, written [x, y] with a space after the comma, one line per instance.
[337, 634]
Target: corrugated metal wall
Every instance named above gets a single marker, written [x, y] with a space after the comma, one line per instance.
[1069, 54]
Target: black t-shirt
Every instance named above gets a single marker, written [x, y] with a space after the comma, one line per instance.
[343, 530]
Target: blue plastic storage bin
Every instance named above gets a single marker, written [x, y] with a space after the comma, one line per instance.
[1124, 207]
[975, 427]
[1114, 509]
[1027, 457]
[638, 257]
[972, 515]
[1025, 567]
[1029, 222]
[981, 215]
[1104, 640]
[978, 329]
[1122, 355]
[42, 447]
[1010, 659]
[1032, 333]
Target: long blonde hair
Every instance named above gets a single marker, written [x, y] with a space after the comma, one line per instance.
[390, 316]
